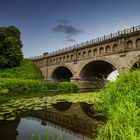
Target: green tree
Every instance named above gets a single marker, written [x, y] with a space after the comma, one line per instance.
[10, 47]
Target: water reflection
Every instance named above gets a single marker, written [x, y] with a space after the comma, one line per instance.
[31, 128]
[74, 123]
[8, 130]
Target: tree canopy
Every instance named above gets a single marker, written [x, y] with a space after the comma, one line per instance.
[10, 47]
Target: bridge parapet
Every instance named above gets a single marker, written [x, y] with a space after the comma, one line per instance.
[96, 41]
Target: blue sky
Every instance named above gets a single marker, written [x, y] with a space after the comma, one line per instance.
[48, 25]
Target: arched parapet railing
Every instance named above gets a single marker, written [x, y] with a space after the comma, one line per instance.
[108, 49]
[138, 43]
[61, 73]
[95, 52]
[101, 50]
[135, 61]
[129, 45]
[115, 48]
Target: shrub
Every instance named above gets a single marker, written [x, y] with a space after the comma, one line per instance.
[52, 85]
[68, 87]
[4, 91]
[21, 86]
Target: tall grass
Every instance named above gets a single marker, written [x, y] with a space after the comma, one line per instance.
[120, 103]
[27, 86]
[21, 86]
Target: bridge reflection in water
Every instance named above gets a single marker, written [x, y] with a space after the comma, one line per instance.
[74, 120]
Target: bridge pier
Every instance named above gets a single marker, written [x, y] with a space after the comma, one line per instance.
[88, 85]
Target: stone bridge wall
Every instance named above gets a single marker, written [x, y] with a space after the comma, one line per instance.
[121, 50]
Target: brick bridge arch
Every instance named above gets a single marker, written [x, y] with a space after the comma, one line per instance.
[101, 59]
[134, 60]
[60, 67]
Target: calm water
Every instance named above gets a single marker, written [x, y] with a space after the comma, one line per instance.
[70, 120]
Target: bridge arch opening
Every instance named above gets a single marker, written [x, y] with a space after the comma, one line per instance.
[97, 71]
[136, 65]
[61, 74]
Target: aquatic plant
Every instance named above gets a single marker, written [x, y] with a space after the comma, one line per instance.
[13, 108]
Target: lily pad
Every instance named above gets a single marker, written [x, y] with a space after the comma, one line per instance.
[37, 108]
[11, 119]
[1, 118]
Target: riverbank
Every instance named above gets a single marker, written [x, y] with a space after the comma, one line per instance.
[118, 103]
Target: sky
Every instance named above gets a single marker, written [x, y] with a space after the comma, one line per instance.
[49, 25]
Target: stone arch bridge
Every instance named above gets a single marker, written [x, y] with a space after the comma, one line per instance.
[90, 63]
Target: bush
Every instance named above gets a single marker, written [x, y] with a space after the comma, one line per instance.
[21, 86]
[68, 87]
[4, 91]
[52, 85]
[121, 105]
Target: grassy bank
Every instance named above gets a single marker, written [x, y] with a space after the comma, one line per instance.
[27, 70]
[120, 104]
[11, 88]
[26, 81]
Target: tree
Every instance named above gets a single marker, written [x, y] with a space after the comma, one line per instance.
[10, 47]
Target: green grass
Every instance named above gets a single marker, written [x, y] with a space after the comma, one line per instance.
[120, 104]
[22, 86]
[27, 70]
[11, 88]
